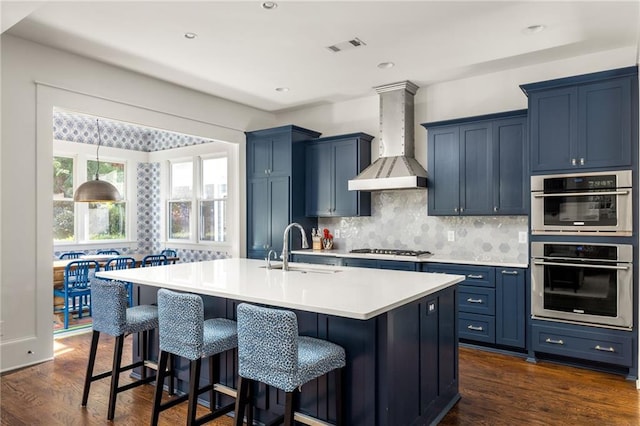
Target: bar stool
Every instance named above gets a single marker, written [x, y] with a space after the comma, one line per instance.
[184, 332]
[270, 351]
[111, 316]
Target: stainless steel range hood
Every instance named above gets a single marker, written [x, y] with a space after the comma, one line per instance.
[396, 168]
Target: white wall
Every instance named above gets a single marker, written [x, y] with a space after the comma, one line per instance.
[34, 79]
[468, 97]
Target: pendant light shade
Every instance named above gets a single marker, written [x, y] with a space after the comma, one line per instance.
[96, 191]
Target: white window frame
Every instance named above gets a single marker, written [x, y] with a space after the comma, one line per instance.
[196, 152]
[191, 200]
[202, 199]
[81, 154]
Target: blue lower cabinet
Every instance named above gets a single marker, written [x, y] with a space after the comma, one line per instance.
[491, 302]
[315, 259]
[396, 265]
[583, 342]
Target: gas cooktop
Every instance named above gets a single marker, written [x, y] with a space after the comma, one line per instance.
[394, 252]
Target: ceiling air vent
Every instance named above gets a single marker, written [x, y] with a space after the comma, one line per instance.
[347, 45]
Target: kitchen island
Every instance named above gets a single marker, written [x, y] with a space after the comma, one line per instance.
[399, 331]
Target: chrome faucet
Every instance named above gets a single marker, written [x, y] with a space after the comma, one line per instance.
[285, 244]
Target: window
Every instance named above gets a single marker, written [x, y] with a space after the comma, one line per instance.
[63, 206]
[181, 200]
[80, 222]
[213, 203]
[201, 182]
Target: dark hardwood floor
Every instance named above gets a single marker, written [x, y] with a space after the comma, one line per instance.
[496, 390]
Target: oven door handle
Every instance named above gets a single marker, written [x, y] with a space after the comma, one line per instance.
[579, 194]
[618, 268]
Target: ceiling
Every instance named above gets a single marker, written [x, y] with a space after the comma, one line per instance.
[243, 52]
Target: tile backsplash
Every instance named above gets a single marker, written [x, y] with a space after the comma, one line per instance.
[399, 221]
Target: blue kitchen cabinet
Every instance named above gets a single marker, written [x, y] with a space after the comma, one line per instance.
[276, 187]
[491, 303]
[615, 347]
[444, 171]
[583, 122]
[511, 314]
[510, 171]
[330, 164]
[315, 259]
[478, 165]
[396, 265]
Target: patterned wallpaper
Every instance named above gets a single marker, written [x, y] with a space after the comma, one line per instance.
[116, 134]
[82, 129]
[399, 220]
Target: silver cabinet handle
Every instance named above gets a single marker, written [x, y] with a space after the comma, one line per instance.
[475, 277]
[580, 194]
[554, 342]
[461, 209]
[475, 328]
[600, 348]
[470, 300]
[504, 272]
[495, 208]
[455, 209]
[574, 162]
[582, 161]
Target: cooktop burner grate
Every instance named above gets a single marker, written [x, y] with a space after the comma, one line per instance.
[395, 252]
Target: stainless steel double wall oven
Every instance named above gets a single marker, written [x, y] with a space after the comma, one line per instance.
[582, 280]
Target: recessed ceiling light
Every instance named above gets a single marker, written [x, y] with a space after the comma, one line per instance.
[282, 89]
[532, 29]
[383, 65]
[190, 36]
[269, 5]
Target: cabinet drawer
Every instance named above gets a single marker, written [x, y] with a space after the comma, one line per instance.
[476, 300]
[477, 327]
[483, 276]
[315, 259]
[598, 345]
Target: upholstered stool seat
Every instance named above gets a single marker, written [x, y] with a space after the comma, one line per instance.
[184, 332]
[111, 316]
[271, 351]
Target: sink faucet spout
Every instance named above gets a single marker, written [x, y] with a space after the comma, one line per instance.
[285, 243]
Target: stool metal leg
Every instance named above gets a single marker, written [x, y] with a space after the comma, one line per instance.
[157, 396]
[242, 397]
[115, 376]
[194, 385]
[92, 360]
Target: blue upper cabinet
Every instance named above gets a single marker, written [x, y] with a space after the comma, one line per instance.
[584, 122]
[510, 161]
[275, 187]
[478, 165]
[330, 163]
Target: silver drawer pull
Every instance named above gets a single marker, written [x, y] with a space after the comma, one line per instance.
[470, 300]
[504, 272]
[475, 328]
[600, 348]
[554, 342]
[475, 277]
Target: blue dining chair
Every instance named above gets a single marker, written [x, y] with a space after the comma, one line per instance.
[123, 263]
[169, 253]
[76, 288]
[110, 251]
[154, 260]
[71, 255]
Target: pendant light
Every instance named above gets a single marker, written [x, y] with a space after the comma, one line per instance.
[96, 191]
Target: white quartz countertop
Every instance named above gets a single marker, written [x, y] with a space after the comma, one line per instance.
[481, 260]
[358, 293]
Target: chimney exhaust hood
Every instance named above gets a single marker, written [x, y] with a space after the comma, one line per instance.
[396, 168]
